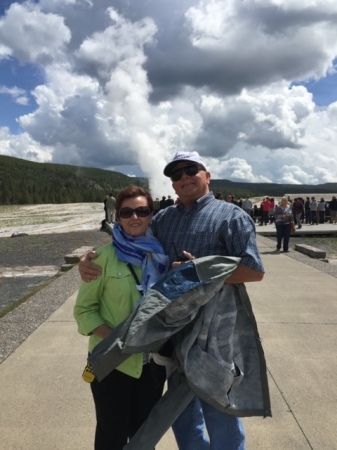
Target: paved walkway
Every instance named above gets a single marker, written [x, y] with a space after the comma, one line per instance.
[44, 404]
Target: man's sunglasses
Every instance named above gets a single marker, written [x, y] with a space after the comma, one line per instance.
[141, 211]
[189, 170]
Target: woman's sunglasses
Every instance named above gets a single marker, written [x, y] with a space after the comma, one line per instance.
[189, 170]
[141, 211]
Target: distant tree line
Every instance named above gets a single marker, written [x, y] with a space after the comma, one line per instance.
[241, 189]
[27, 182]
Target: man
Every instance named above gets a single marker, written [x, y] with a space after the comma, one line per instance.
[313, 205]
[162, 203]
[200, 226]
[229, 198]
[111, 208]
[247, 205]
[169, 201]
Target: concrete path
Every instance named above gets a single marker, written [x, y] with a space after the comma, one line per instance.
[45, 405]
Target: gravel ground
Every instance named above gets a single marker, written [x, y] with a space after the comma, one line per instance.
[39, 250]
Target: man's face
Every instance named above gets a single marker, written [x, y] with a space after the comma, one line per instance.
[191, 188]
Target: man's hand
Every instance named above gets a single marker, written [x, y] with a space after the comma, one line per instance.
[188, 257]
[88, 270]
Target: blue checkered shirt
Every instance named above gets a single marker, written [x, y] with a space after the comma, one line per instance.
[208, 227]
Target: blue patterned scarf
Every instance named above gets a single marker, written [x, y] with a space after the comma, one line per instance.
[143, 251]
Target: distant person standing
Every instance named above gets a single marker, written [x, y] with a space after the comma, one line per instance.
[162, 202]
[111, 208]
[156, 206]
[265, 206]
[234, 201]
[298, 211]
[333, 210]
[247, 205]
[283, 216]
[271, 210]
[169, 201]
[307, 210]
[256, 213]
[105, 208]
[313, 205]
[321, 210]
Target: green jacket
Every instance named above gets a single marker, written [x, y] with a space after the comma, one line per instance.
[109, 299]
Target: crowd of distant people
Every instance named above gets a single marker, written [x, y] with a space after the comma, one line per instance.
[309, 210]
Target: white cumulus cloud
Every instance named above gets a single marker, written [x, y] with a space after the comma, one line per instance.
[126, 84]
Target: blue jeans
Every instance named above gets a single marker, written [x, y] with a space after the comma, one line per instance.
[225, 432]
[283, 233]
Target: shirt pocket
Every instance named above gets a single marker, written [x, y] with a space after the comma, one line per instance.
[120, 294]
[117, 273]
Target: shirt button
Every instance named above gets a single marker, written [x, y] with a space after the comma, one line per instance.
[119, 274]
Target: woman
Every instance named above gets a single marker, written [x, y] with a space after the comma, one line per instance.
[123, 399]
[283, 216]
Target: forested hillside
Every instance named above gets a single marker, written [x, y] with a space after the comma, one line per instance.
[270, 189]
[26, 182]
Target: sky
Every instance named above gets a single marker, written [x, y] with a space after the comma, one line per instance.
[124, 84]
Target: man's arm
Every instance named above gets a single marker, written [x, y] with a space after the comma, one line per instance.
[88, 270]
[243, 274]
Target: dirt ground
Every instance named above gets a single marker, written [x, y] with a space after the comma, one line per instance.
[39, 250]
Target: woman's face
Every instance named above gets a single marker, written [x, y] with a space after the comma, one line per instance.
[135, 225]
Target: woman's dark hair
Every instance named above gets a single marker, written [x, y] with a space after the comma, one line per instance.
[132, 191]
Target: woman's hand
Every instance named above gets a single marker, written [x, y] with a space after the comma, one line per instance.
[102, 331]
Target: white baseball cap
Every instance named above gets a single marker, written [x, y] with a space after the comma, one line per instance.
[179, 157]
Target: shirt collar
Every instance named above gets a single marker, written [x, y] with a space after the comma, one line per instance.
[198, 204]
